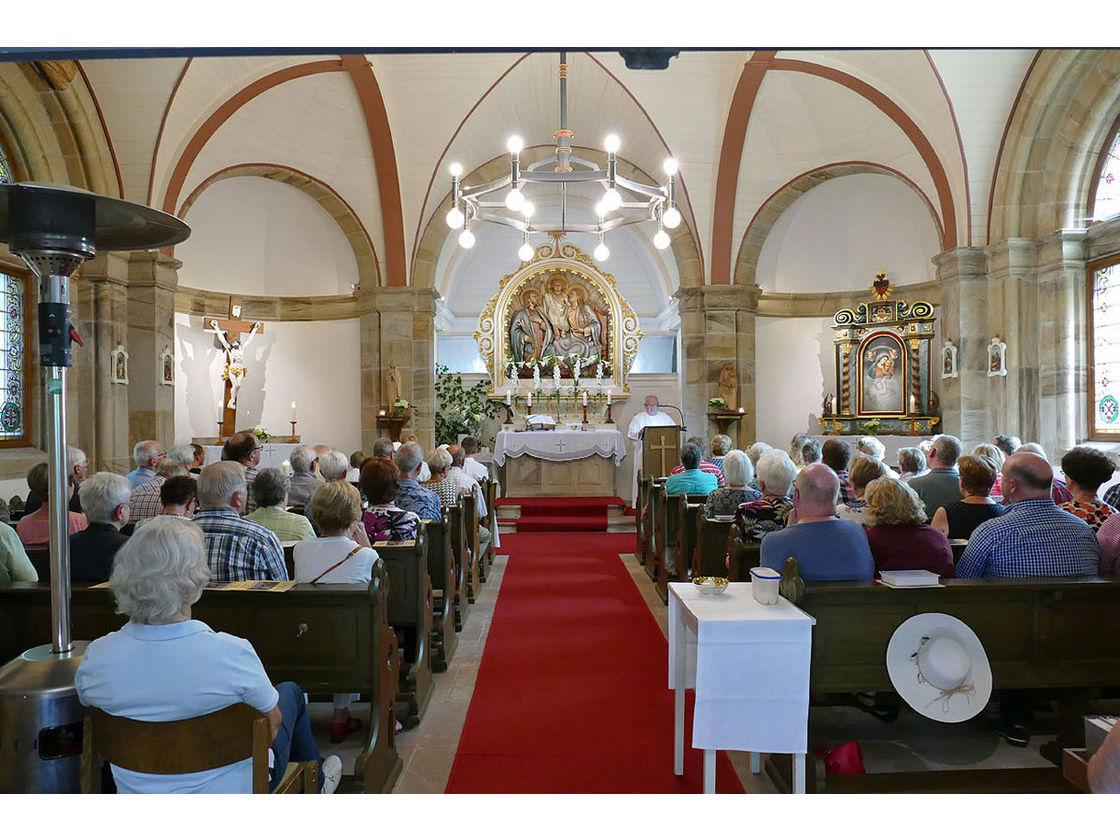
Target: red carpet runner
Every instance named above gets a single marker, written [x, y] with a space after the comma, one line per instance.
[547, 513]
[571, 694]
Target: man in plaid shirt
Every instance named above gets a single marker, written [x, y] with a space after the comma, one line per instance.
[236, 548]
[1034, 538]
[145, 502]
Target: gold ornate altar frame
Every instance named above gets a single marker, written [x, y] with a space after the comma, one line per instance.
[619, 325]
[884, 367]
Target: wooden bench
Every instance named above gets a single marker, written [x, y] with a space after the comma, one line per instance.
[470, 534]
[410, 615]
[326, 639]
[441, 571]
[642, 524]
[1045, 634]
[651, 511]
[710, 554]
[691, 508]
[666, 555]
[459, 552]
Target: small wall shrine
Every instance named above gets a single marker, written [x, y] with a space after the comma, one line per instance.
[883, 368]
[558, 334]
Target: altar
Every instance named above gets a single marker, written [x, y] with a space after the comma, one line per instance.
[277, 455]
[564, 462]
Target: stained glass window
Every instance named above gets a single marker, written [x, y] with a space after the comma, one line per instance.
[1107, 201]
[13, 427]
[1104, 395]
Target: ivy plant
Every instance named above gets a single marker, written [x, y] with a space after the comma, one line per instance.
[461, 410]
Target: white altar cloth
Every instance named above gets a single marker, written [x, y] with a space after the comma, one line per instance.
[272, 455]
[560, 445]
[749, 665]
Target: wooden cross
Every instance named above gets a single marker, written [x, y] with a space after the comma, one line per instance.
[666, 461]
[232, 327]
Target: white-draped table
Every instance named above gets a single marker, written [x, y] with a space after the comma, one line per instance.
[749, 665]
[560, 462]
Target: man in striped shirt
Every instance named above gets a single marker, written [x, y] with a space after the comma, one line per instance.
[236, 548]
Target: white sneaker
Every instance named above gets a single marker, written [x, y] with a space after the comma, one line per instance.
[332, 773]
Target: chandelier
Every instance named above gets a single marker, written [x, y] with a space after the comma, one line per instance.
[624, 202]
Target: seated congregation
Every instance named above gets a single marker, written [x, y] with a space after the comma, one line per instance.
[1000, 512]
[160, 535]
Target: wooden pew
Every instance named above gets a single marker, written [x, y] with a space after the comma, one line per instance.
[691, 507]
[744, 556]
[441, 570]
[653, 515]
[490, 494]
[462, 569]
[667, 557]
[1038, 633]
[327, 639]
[642, 525]
[410, 614]
[710, 555]
[470, 533]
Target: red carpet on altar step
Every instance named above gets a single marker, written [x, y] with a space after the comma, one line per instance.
[571, 694]
[556, 513]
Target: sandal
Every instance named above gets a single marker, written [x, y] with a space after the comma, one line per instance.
[339, 730]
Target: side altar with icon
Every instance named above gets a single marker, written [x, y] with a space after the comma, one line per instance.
[883, 368]
[558, 341]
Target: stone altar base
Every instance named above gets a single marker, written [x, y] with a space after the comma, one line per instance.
[531, 476]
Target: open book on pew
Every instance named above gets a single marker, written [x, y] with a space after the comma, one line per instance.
[909, 579]
[255, 585]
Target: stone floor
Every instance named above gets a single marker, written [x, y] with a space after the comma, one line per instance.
[912, 743]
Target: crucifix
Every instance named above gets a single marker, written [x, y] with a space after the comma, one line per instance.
[229, 332]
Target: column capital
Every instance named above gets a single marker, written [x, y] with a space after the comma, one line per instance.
[961, 263]
[154, 268]
[707, 298]
[399, 299]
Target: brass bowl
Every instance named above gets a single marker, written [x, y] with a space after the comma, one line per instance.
[710, 585]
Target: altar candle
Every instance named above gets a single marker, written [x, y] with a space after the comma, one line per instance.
[529, 400]
[585, 398]
[608, 396]
[509, 396]
[832, 405]
[293, 412]
[741, 410]
[913, 404]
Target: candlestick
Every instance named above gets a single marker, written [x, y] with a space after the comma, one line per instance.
[585, 409]
[509, 413]
[293, 431]
[220, 441]
[293, 413]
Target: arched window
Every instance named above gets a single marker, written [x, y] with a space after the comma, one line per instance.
[1106, 201]
[13, 345]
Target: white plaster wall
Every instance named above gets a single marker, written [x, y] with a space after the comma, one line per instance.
[839, 234]
[312, 363]
[794, 369]
[256, 236]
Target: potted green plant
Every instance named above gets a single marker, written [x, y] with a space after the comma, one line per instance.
[461, 410]
[872, 425]
[717, 404]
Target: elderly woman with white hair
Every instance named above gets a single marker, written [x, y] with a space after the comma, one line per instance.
[873, 447]
[721, 445]
[334, 465]
[304, 482]
[163, 665]
[776, 472]
[105, 499]
[738, 473]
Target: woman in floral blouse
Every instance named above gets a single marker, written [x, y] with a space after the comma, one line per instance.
[384, 521]
[1086, 469]
[756, 519]
[738, 473]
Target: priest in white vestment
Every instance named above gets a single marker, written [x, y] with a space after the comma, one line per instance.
[652, 416]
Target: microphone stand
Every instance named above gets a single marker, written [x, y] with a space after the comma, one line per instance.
[684, 428]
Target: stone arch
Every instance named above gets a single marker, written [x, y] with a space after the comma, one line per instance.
[683, 242]
[53, 129]
[323, 194]
[1045, 170]
[767, 215]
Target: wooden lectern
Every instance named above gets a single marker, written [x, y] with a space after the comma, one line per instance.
[661, 450]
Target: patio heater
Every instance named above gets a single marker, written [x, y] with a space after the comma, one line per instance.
[55, 229]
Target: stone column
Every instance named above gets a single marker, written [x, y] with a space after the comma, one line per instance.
[718, 327]
[98, 410]
[964, 319]
[398, 326]
[153, 278]
[1013, 316]
[1062, 343]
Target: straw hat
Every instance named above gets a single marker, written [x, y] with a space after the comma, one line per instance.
[939, 667]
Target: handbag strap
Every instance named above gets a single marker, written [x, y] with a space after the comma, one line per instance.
[353, 551]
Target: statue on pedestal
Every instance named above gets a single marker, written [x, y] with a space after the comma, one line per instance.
[728, 386]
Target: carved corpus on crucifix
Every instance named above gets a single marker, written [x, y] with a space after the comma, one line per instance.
[229, 333]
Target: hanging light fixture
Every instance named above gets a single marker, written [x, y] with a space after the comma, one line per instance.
[623, 202]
